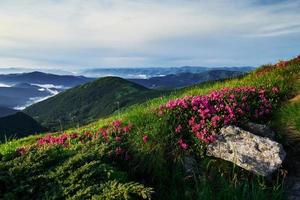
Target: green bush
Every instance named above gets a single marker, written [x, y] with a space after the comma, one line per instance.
[55, 172]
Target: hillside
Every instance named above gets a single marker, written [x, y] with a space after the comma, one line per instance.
[18, 125]
[156, 150]
[180, 80]
[88, 102]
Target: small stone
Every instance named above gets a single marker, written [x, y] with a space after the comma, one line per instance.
[258, 154]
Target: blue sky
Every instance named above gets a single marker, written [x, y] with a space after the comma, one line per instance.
[77, 34]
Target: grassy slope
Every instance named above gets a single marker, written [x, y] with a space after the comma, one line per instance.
[88, 102]
[286, 122]
[281, 78]
[142, 114]
[150, 158]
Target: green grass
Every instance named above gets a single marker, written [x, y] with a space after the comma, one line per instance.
[286, 120]
[10, 146]
[152, 163]
[288, 116]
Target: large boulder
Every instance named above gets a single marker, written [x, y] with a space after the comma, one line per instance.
[249, 151]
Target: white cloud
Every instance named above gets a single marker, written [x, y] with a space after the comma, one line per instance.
[128, 32]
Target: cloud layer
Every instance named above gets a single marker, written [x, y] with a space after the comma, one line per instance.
[131, 33]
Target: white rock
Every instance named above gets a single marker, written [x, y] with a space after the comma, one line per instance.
[251, 152]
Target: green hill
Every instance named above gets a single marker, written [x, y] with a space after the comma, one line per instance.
[143, 153]
[18, 125]
[88, 102]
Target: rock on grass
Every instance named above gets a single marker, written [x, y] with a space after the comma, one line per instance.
[259, 155]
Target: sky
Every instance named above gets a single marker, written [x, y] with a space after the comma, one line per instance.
[79, 34]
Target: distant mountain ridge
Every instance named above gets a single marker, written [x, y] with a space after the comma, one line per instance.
[23, 89]
[44, 78]
[18, 70]
[148, 72]
[185, 79]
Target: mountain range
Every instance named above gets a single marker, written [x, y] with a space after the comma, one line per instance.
[43, 78]
[18, 91]
[180, 80]
[148, 72]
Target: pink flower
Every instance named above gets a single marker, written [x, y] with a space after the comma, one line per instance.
[182, 144]
[117, 123]
[21, 150]
[215, 120]
[145, 138]
[199, 135]
[104, 134]
[178, 128]
[74, 135]
[275, 90]
[118, 139]
[212, 138]
[126, 129]
[88, 134]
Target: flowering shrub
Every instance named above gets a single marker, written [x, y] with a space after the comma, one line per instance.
[21, 150]
[199, 118]
[114, 135]
[52, 140]
[280, 65]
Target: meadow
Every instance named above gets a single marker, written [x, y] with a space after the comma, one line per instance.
[145, 151]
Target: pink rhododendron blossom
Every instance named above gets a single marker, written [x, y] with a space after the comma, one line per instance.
[74, 135]
[178, 128]
[117, 123]
[275, 90]
[206, 114]
[21, 150]
[118, 139]
[182, 144]
[126, 129]
[145, 138]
